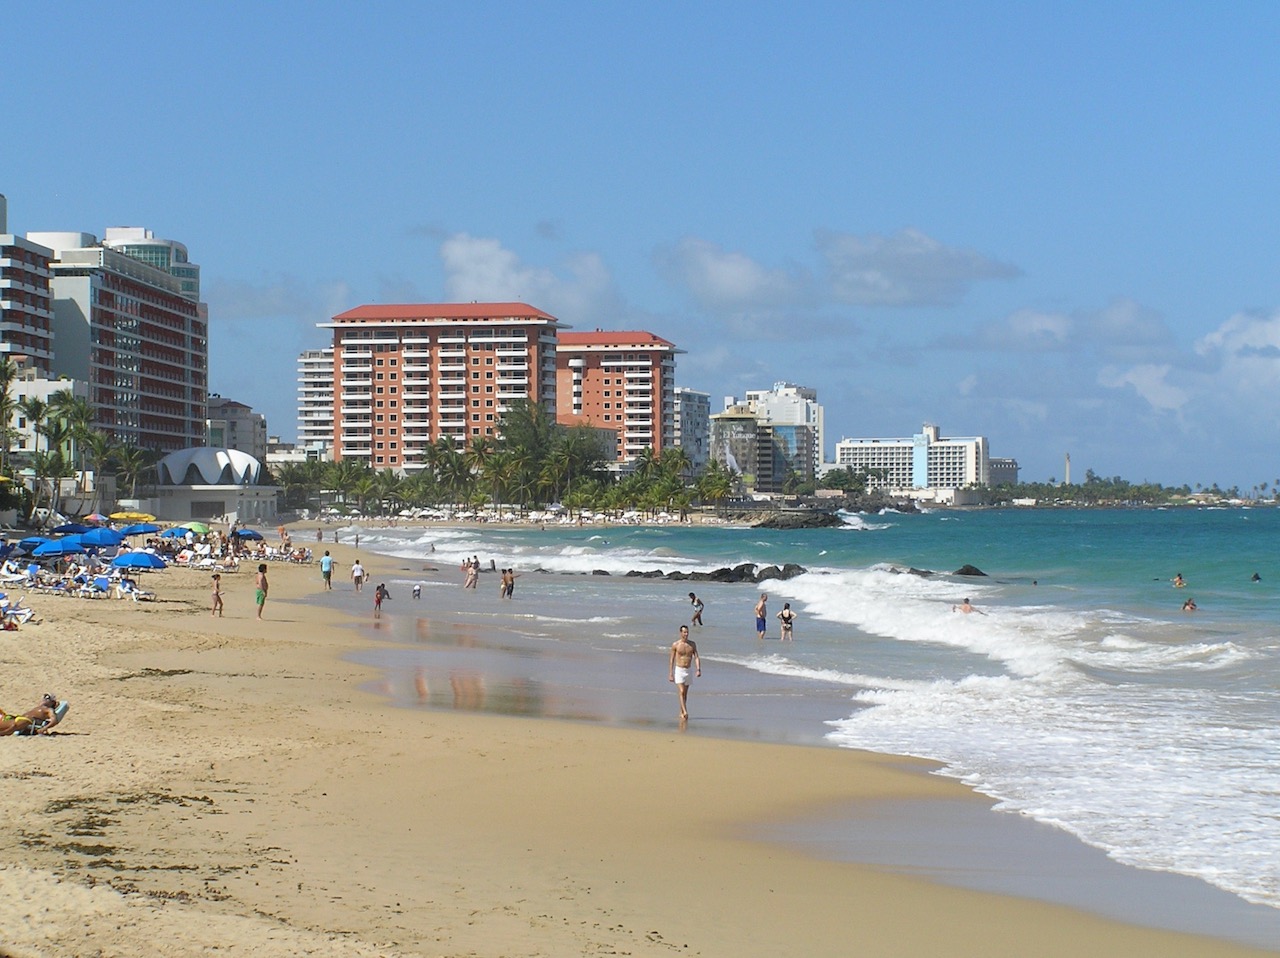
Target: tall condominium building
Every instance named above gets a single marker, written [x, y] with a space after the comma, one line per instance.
[408, 374]
[623, 381]
[693, 425]
[163, 254]
[315, 402]
[26, 305]
[787, 404]
[766, 456]
[923, 461]
[128, 329]
[233, 425]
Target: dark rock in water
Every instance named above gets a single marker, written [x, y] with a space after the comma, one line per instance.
[651, 574]
[634, 573]
[701, 576]
[599, 572]
[743, 573]
[769, 572]
[804, 519]
[969, 570]
[923, 573]
[791, 570]
[678, 575]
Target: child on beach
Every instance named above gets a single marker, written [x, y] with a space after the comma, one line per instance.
[379, 594]
[262, 587]
[217, 596]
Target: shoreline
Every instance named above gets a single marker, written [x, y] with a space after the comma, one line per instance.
[241, 783]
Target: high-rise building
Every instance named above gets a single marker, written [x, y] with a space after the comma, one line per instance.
[766, 455]
[130, 330]
[923, 461]
[693, 425]
[26, 305]
[233, 425]
[163, 254]
[406, 375]
[787, 404]
[623, 381]
[315, 402]
[26, 309]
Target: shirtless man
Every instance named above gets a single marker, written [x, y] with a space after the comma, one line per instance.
[762, 611]
[38, 721]
[966, 607]
[684, 653]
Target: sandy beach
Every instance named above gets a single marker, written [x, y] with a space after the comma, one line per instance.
[229, 786]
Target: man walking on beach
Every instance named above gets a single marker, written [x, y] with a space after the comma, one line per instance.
[326, 569]
[762, 610]
[684, 653]
[357, 575]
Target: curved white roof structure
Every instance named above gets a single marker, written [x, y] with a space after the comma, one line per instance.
[206, 466]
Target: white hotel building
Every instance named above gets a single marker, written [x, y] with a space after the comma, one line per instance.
[923, 463]
[315, 402]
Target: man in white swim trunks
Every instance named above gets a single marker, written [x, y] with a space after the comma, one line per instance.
[684, 654]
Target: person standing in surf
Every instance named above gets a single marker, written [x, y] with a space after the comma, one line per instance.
[762, 612]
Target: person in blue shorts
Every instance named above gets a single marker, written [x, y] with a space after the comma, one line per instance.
[762, 612]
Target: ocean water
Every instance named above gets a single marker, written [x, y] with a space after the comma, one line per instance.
[1080, 695]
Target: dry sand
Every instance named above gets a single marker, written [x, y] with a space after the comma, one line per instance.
[227, 786]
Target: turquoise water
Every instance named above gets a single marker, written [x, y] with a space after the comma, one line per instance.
[1081, 696]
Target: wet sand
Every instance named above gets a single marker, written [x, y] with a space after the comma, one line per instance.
[241, 787]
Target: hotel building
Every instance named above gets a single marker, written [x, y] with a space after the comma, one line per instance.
[315, 402]
[406, 375]
[26, 306]
[233, 425]
[693, 425]
[136, 335]
[624, 381]
[923, 461]
[764, 455]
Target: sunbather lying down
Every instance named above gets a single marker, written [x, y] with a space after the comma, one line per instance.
[38, 721]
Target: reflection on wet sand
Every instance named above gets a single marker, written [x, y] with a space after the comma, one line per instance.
[472, 691]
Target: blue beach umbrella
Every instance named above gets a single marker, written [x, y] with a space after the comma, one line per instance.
[66, 546]
[250, 534]
[176, 531]
[102, 538]
[31, 543]
[138, 560]
[140, 529]
[69, 528]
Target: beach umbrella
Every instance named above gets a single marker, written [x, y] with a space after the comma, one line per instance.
[69, 528]
[101, 538]
[171, 533]
[95, 517]
[250, 534]
[199, 528]
[66, 546]
[33, 542]
[140, 529]
[138, 560]
[133, 516]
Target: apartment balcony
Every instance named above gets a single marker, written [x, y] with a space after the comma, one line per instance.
[522, 351]
[356, 395]
[453, 367]
[411, 367]
[452, 353]
[355, 352]
[353, 382]
[451, 410]
[452, 340]
[416, 354]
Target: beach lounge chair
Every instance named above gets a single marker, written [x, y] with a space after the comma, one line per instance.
[127, 588]
[15, 611]
[97, 586]
[36, 726]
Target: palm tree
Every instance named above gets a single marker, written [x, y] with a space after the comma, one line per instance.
[77, 415]
[36, 410]
[99, 450]
[132, 463]
[8, 373]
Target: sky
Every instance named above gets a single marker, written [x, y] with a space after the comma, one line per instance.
[1055, 225]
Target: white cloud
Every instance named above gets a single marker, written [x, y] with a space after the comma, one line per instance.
[724, 281]
[908, 268]
[478, 268]
[1148, 381]
[1245, 350]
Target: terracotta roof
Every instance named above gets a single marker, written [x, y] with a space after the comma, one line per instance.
[444, 311]
[611, 338]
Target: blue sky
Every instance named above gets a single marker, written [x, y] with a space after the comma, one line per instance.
[1054, 225]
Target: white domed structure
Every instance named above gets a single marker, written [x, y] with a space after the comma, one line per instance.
[208, 466]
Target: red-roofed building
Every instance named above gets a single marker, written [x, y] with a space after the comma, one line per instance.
[624, 381]
[405, 375]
